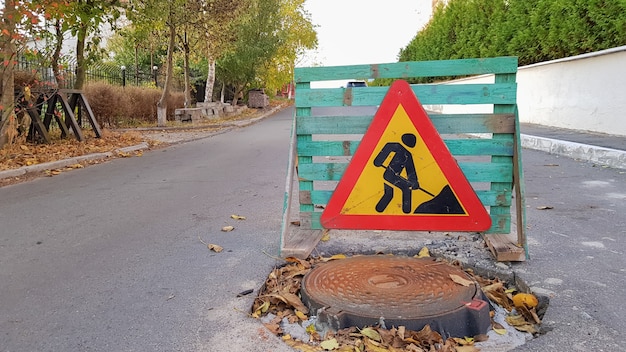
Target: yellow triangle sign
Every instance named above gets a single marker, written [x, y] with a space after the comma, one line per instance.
[403, 177]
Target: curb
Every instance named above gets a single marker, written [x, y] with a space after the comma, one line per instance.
[141, 146]
[600, 155]
[70, 161]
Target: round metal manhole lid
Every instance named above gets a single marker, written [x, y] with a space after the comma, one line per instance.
[393, 287]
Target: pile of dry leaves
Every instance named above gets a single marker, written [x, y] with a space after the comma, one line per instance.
[279, 299]
[24, 154]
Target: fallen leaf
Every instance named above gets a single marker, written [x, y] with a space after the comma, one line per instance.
[76, 166]
[498, 328]
[371, 333]
[215, 248]
[23, 147]
[334, 257]
[295, 302]
[295, 223]
[227, 228]
[301, 315]
[238, 217]
[520, 323]
[325, 236]
[329, 345]
[545, 207]
[461, 281]
[423, 253]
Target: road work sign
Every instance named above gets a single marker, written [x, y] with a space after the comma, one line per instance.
[403, 177]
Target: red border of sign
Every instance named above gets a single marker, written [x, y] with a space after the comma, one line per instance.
[477, 218]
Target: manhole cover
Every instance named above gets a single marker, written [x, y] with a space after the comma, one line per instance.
[396, 291]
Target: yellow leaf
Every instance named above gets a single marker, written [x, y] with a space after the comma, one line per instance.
[466, 349]
[329, 345]
[265, 306]
[310, 329]
[372, 346]
[301, 315]
[227, 228]
[23, 147]
[461, 281]
[527, 300]
[325, 236]
[215, 248]
[238, 217]
[371, 333]
[500, 331]
[286, 337]
[334, 257]
[77, 166]
[423, 253]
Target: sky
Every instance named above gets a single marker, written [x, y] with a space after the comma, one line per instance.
[352, 32]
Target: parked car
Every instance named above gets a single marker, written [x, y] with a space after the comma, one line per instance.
[355, 84]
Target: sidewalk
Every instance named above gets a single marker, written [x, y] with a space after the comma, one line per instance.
[603, 149]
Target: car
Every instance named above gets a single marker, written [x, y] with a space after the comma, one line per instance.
[355, 84]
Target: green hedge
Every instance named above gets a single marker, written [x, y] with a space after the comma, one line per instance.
[533, 30]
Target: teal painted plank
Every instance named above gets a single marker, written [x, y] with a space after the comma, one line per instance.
[474, 171]
[457, 147]
[499, 222]
[409, 69]
[488, 198]
[500, 93]
[444, 123]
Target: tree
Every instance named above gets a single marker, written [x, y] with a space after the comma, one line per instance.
[19, 19]
[167, 15]
[85, 18]
[218, 20]
[266, 46]
[300, 35]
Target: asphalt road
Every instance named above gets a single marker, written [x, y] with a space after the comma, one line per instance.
[108, 258]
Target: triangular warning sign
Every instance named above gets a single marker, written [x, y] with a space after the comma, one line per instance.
[403, 177]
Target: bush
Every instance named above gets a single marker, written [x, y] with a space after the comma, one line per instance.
[115, 106]
[533, 30]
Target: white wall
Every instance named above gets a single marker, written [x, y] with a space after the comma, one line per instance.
[585, 92]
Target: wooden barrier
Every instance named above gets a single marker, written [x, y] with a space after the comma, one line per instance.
[492, 163]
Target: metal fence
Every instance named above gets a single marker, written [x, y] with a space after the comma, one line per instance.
[109, 73]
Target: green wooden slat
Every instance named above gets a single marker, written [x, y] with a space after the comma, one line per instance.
[499, 93]
[444, 123]
[457, 147]
[437, 68]
[488, 198]
[474, 171]
[499, 222]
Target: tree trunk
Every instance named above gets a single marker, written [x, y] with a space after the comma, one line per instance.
[81, 63]
[56, 55]
[187, 79]
[162, 104]
[8, 121]
[210, 81]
